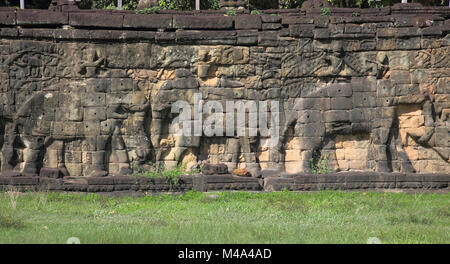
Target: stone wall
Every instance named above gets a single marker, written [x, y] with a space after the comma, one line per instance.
[89, 93]
[128, 185]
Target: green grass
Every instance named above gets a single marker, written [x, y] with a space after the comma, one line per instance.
[233, 217]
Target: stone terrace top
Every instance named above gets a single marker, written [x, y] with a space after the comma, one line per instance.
[399, 15]
[216, 27]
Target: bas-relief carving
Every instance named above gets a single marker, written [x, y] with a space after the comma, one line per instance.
[99, 109]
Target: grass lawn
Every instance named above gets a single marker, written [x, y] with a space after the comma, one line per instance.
[233, 217]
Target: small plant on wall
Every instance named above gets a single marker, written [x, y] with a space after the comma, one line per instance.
[319, 163]
[326, 11]
[231, 12]
[172, 176]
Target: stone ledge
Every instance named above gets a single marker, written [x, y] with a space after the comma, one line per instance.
[203, 183]
[383, 30]
[147, 22]
[41, 17]
[7, 17]
[356, 180]
[203, 22]
[94, 19]
[217, 19]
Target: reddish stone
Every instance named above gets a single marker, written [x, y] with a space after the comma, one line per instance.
[297, 20]
[242, 173]
[53, 173]
[7, 18]
[147, 21]
[203, 22]
[248, 22]
[41, 17]
[96, 19]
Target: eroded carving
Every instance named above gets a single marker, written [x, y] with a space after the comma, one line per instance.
[97, 109]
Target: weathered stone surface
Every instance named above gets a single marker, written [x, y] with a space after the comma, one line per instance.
[154, 21]
[209, 169]
[41, 17]
[7, 18]
[202, 22]
[242, 173]
[206, 37]
[247, 22]
[302, 31]
[95, 19]
[297, 20]
[91, 94]
[51, 173]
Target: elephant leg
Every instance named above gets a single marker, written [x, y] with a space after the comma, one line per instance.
[234, 148]
[56, 155]
[62, 161]
[179, 148]
[9, 154]
[382, 160]
[406, 165]
[277, 156]
[143, 150]
[118, 149]
[306, 163]
[312, 145]
[97, 166]
[155, 138]
[34, 146]
[250, 157]
[276, 160]
[277, 153]
[381, 138]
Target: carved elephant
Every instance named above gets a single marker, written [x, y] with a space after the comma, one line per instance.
[172, 148]
[361, 107]
[67, 112]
